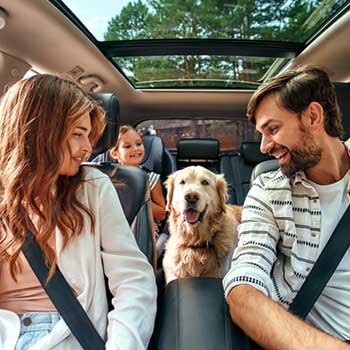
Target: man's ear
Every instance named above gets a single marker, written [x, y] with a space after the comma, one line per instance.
[315, 116]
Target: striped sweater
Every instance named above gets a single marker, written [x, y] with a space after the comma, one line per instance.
[279, 242]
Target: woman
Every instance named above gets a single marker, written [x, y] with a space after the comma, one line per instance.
[47, 127]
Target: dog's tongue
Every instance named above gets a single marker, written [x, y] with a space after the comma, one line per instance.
[191, 216]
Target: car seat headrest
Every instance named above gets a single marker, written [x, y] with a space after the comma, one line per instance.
[198, 148]
[111, 105]
[343, 97]
[154, 151]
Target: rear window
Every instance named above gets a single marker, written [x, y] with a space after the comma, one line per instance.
[230, 133]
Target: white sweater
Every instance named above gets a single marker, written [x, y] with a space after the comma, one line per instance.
[131, 277]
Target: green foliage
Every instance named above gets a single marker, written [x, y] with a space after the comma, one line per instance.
[131, 24]
[230, 19]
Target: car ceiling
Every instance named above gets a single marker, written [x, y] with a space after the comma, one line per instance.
[37, 35]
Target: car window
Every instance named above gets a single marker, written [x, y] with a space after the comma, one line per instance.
[230, 133]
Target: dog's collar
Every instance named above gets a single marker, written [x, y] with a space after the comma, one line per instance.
[206, 244]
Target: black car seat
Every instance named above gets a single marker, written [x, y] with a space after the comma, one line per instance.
[343, 97]
[159, 160]
[134, 191]
[131, 184]
[198, 151]
[157, 157]
[237, 170]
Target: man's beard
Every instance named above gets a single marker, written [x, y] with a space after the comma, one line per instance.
[304, 156]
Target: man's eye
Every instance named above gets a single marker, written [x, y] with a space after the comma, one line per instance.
[273, 131]
[77, 134]
[204, 182]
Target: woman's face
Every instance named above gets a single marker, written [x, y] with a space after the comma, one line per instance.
[130, 150]
[78, 147]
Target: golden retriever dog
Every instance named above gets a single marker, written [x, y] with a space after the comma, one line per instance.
[202, 227]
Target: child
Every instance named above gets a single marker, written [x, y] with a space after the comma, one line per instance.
[129, 150]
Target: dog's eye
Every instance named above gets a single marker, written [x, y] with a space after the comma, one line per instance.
[204, 182]
[182, 182]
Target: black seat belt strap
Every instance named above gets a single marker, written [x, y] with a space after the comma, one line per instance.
[237, 180]
[62, 297]
[324, 268]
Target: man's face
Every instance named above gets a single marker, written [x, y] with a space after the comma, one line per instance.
[285, 137]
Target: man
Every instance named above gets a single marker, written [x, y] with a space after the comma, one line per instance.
[290, 214]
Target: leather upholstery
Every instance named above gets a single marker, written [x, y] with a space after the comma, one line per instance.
[197, 151]
[197, 148]
[237, 170]
[194, 315]
[134, 193]
[157, 158]
[111, 105]
[131, 184]
[343, 97]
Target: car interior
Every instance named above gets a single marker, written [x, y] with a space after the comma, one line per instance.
[187, 116]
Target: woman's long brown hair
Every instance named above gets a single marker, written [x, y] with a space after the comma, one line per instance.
[37, 116]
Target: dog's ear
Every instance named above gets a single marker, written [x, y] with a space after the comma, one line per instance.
[169, 184]
[221, 187]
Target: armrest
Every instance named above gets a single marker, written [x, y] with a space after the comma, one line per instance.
[193, 315]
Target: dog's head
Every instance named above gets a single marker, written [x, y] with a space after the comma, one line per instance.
[196, 193]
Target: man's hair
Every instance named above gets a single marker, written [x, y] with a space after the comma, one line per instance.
[296, 89]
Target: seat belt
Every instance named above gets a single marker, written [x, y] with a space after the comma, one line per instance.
[324, 268]
[62, 297]
[237, 180]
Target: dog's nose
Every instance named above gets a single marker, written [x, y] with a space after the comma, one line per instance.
[191, 197]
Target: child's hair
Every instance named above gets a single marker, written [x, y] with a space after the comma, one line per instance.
[38, 116]
[122, 131]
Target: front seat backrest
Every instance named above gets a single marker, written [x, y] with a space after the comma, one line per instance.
[131, 184]
[343, 98]
[111, 105]
[157, 158]
[134, 194]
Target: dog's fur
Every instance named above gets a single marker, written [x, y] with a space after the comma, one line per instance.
[202, 227]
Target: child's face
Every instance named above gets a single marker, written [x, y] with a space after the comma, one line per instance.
[130, 150]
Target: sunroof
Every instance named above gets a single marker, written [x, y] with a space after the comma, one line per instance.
[195, 71]
[283, 20]
[201, 43]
